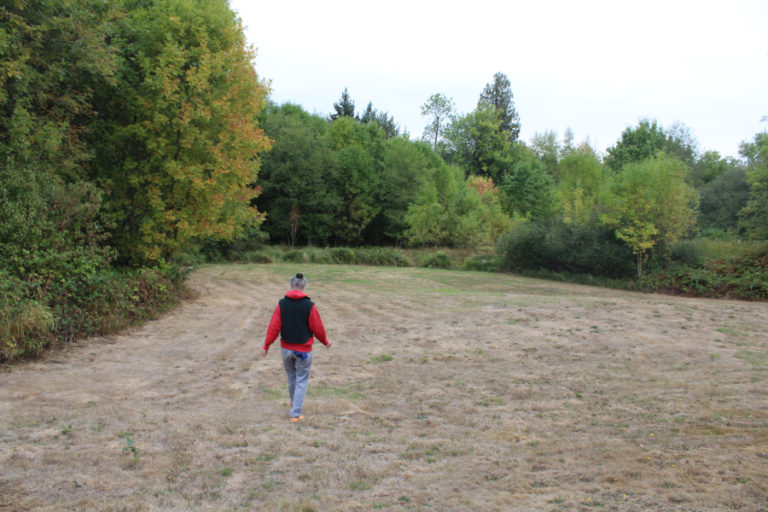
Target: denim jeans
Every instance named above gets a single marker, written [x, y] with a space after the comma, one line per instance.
[297, 370]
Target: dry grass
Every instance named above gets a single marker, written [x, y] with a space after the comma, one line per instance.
[445, 391]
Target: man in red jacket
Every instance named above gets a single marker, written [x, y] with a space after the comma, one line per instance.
[297, 322]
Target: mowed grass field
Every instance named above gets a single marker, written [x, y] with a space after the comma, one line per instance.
[445, 391]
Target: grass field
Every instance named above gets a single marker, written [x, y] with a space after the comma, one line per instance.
[444, 390]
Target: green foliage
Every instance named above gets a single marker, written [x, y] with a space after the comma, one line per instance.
[581, 186]
[345, 107]
[437, 260]
[498, 96]
[636, 144]
[755, 213]
[295, 174]
[744, 276]
[438, 109]
[529, 189]
[559, 246]
[722, 200]
[25, 324]
[650, 204]
[177, 138]
[482, 262]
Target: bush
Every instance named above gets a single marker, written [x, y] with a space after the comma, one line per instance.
[558, 246]
[382, 256]
[483, 262]
[343, 255]
[437, 260]
[25, 324]
[686, 252]
[741, 277]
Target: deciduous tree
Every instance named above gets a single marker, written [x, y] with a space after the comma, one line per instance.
[651, 204]
[179, 141]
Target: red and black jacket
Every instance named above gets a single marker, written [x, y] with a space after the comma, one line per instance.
[297, 322]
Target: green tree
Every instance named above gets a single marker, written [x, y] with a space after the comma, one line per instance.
[53, 55]
[755, 213]
[651, 204]
[294, 176]
[178, 140]
[548, 149]
[383, 119]
[528, 189]
[439, 110]
[401, 176]
[345, 107]
[355, 179]
[580, 188]
[433, 217]
[478, 145]
[498, 95]
[636, 144]
[647, 140]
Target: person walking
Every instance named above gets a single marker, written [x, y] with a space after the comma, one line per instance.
[297, 322]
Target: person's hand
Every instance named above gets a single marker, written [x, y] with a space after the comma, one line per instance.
[329, 344]
[263, 352]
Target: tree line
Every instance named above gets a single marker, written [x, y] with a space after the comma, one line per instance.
[351, 179]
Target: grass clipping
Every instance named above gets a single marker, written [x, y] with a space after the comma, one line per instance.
[445, 390]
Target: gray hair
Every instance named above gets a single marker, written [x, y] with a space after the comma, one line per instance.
[298, 282]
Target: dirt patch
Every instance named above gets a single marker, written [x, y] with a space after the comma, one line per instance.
[444, 391]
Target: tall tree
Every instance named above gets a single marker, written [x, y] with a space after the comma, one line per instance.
[345, 107]
[439, 109]
[498, 94]
[178, 145]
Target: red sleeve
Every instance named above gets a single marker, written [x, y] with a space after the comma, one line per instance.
[273, 331]
[316, 326]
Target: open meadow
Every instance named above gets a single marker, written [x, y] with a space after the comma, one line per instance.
[444, 391]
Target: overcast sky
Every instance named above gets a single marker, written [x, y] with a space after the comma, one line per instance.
[596, 66]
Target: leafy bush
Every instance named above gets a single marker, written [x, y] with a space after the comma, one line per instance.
[437, 260]
[742, 277]
[686, 252]
[382, 256]
[558, 246]
[343, 255]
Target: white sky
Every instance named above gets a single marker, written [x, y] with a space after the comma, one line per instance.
[596, 66]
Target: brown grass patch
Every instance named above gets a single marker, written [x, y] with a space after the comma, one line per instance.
[444, 391]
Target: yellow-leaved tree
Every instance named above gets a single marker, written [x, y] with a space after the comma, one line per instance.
[178, 142]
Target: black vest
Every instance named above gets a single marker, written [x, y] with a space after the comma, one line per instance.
[295, 319]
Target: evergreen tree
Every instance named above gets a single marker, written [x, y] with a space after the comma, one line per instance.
[345, 107]
[498, 95]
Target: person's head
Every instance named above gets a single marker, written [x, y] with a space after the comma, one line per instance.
[298, 282]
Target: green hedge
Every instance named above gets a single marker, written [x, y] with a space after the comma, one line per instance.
[33, 317]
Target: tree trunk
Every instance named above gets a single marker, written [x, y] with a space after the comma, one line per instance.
[639, 265]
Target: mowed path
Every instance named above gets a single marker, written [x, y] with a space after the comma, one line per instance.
[444, 391]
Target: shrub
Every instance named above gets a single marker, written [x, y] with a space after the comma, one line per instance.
[437, 260]
[483, 262]
[25, 324]
[343, 255]
[558, 246]
[686, 252]
[382, 256]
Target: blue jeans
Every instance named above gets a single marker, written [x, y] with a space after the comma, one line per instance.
[297, 370]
